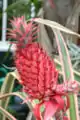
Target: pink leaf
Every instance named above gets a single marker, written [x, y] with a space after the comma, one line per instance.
[65, 118]
[60, 102]
[50, 109]
[36, 111]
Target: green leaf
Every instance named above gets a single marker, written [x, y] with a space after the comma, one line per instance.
[72, 108]
[19, 8]
[21, 95]
[67, 70]
[7, 87]
[15, 4]
[6, 114]
[64, 58]
[76, 74]
[42, 108]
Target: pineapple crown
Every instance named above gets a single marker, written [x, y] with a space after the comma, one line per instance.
[22, 32]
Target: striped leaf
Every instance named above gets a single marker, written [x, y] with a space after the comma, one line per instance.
[67, 71]
[66, 65]
[7, 87]
[6, 114]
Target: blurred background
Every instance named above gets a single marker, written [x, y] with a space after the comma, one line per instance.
[65, 12]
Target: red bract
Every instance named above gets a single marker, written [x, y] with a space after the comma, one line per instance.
[38, 73]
